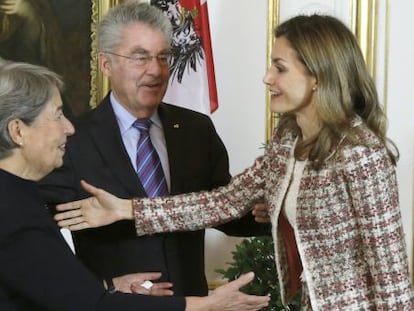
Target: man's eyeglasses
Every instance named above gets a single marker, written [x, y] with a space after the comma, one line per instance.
[144, 59]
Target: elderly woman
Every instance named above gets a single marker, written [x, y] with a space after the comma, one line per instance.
[38, 271]
[328, 175]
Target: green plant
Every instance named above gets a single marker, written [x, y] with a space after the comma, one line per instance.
[257, 255]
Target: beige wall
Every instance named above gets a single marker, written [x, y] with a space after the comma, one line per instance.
[238, 31]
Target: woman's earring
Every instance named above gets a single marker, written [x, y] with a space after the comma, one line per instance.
[314, 88]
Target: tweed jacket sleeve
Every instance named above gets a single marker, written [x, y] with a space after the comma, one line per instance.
[210, 208]
[202, 209]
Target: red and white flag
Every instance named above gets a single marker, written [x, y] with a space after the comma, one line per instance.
[192, 83]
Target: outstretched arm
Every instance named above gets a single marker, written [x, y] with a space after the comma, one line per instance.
[191, 211]
[99, 210]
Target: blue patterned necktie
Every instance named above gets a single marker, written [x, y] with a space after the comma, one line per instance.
[149, 167]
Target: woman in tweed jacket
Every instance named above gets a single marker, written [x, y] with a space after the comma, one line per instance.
[327, 175]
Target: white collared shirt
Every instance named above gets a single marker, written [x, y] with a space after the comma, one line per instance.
[130, 136]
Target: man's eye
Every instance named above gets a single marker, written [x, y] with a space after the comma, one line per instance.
[164, 58]
[141, 59]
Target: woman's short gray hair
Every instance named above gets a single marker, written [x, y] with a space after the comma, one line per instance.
[110, 28]
[24, 91]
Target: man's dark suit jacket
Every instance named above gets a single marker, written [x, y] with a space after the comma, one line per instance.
[198, 161]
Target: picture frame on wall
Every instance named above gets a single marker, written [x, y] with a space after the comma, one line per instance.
[99, 84]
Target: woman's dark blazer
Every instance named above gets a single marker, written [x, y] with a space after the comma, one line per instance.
[38, 271]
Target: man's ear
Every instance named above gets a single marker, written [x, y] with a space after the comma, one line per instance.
[104, 64]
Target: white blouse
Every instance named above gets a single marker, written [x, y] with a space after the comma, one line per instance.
[291, 197]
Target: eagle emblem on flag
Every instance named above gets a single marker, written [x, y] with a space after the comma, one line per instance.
[187, 50]
[192, 78]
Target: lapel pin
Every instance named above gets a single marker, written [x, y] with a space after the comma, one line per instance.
[176, 126]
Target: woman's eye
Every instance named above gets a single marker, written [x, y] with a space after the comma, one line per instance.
[280, 69]
[59, 115]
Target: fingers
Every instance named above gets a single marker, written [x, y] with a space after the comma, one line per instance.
[70, 222]
[89, 188]
[73, 220]
[157, 289]
[75, 205]
[139, 283]
[161, 289]
[150, 275]
[242, 280]
[71, 213]
[228, 297]
[78, 226]
[262, 220]
[261, 213]
[261, 208]
[74, 225]
[69, 218]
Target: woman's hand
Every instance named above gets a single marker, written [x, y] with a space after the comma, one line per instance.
[261, 212]
[134, 283]
[101, 209]
[229, 298]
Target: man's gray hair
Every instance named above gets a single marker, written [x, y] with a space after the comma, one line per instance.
[134, 11]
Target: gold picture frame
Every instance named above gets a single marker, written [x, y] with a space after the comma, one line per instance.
[273, 15]
[99, 84]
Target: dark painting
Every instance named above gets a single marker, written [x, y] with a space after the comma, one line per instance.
[55, 34]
